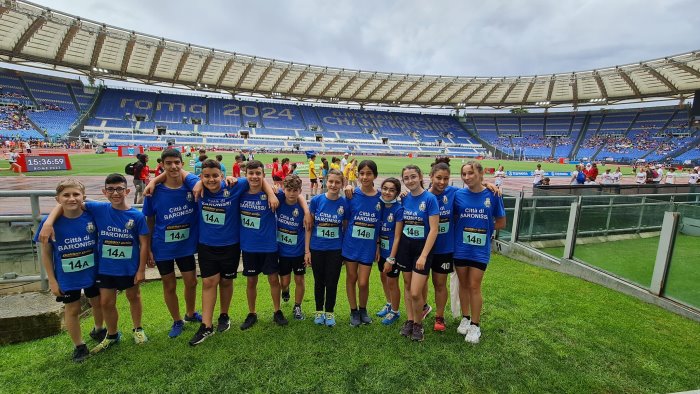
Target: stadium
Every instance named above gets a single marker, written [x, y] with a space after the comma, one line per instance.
[593, 287]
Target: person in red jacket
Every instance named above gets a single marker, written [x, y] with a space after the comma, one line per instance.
[237, 166]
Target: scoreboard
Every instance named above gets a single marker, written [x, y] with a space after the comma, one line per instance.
[45, 162]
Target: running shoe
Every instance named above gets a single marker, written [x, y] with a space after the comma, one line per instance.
[418, 333]
[297, 313]
[224, 323]
[391, 318]
[385, 309]
[140, 336]
[473, 334]
[463, 326]
[285, 295]
[330, 319]
[319, 318]
[106, 343]
[195, 318]
[407, 328]
[201, 335]
[249, 321]
[364, 317]
[176, 329]
[439, 324]
[80, 353]
[98, 336]
[278, 317]
[426, 310]
[355, 320]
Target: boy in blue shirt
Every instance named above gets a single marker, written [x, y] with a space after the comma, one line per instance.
[171, 214]
[71, 264]
[123, 248]
[259, 244]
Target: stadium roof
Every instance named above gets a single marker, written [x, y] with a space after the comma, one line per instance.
[34, 35]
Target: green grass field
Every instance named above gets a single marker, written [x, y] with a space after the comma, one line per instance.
[560, 335]
[94, 164]
[634, 260]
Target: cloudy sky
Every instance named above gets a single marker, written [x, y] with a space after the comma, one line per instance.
[471, 38]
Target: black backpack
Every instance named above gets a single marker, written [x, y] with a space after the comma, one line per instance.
[129, 169]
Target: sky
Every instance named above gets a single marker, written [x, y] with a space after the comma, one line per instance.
[465, 38]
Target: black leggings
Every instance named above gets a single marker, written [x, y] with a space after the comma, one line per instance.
[326, 265]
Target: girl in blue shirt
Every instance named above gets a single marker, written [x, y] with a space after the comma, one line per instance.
[478, 212]
[420, 229]
[324, 244]
[388, 247]
[360, 241]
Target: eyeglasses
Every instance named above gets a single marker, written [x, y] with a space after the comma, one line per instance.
[112, 190]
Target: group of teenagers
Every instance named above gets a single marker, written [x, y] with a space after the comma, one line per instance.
[100, 248]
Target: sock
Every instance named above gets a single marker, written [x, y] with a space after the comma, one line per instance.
[475, 324]
[363, 309]
[297, 305]
[468, 317]
[353, 310]
[113, 336]
[425, 306]
[82, 345]
[393, 311]
[224, 315]
[139, 328]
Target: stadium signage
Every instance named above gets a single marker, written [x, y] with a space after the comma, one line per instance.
[45, 162]
[531, 173]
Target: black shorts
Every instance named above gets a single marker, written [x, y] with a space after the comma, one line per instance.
[394, 273]
[288, 265]
[409, 252]
[312, 180]
[442, 263]
[221, 260]
[470, 263]
[255, 263]
[276, 178]
[114, 282]
[74, 295]
[184, 264]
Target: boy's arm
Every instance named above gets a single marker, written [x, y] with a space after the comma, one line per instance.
[46, 232]
[151, 187]
[308, 219]
[307, 247]
[151, 222]
[145, 245]
[272, 199]
[47, 261]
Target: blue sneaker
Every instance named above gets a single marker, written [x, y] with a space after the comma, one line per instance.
[195, 318]
[385, 309]
[320, 318]
[330, 319]
[176, 329]
[390, 318]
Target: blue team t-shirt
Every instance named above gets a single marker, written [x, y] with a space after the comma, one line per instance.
[219, 216]
[290, 228]
[258, 224]
[391, 214]
[416, 213]
[475, 214]
[118, 232]
[74, 251]
[444, 243]
[327, 233]
[364, 220]
[175, 233]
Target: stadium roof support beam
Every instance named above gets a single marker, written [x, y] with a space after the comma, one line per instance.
[156, 59]
[281, 78]
[393, 89]
[263, 76]
[601, 86]
[425, 89]
[528, 90]
[330, 84]
[225, 71]
[205, 66]
[685, 68]
[574, 89]
[472, 94]
[364, 85]
[347, 84]
[461, 90]
[127, 53]
[661, 78]
[378, 87]
[245, 73]
[407, 91]
[67, 39]
[97, 49]
[629, 81]
[181, 64]
[315, 81]
[299, 79]
[510, 89]
[493, 89]
[550, 89]
[441, 91]
[36, 25]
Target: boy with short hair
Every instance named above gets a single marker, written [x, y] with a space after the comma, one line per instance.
[123, 249]
[259, 244]
[171, 214]
[71, 264]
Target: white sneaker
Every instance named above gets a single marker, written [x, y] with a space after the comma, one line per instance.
[473, 334]
[463, 326]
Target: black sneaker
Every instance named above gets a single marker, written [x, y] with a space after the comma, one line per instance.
[364, 317]
[279, 318]
[224, 323]
[355, 320]
[202, 334]
[98, 336]
[298, 314]
[418, 332]
[407, 328]
[81, 353]
[249, 321]
[285, 295]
